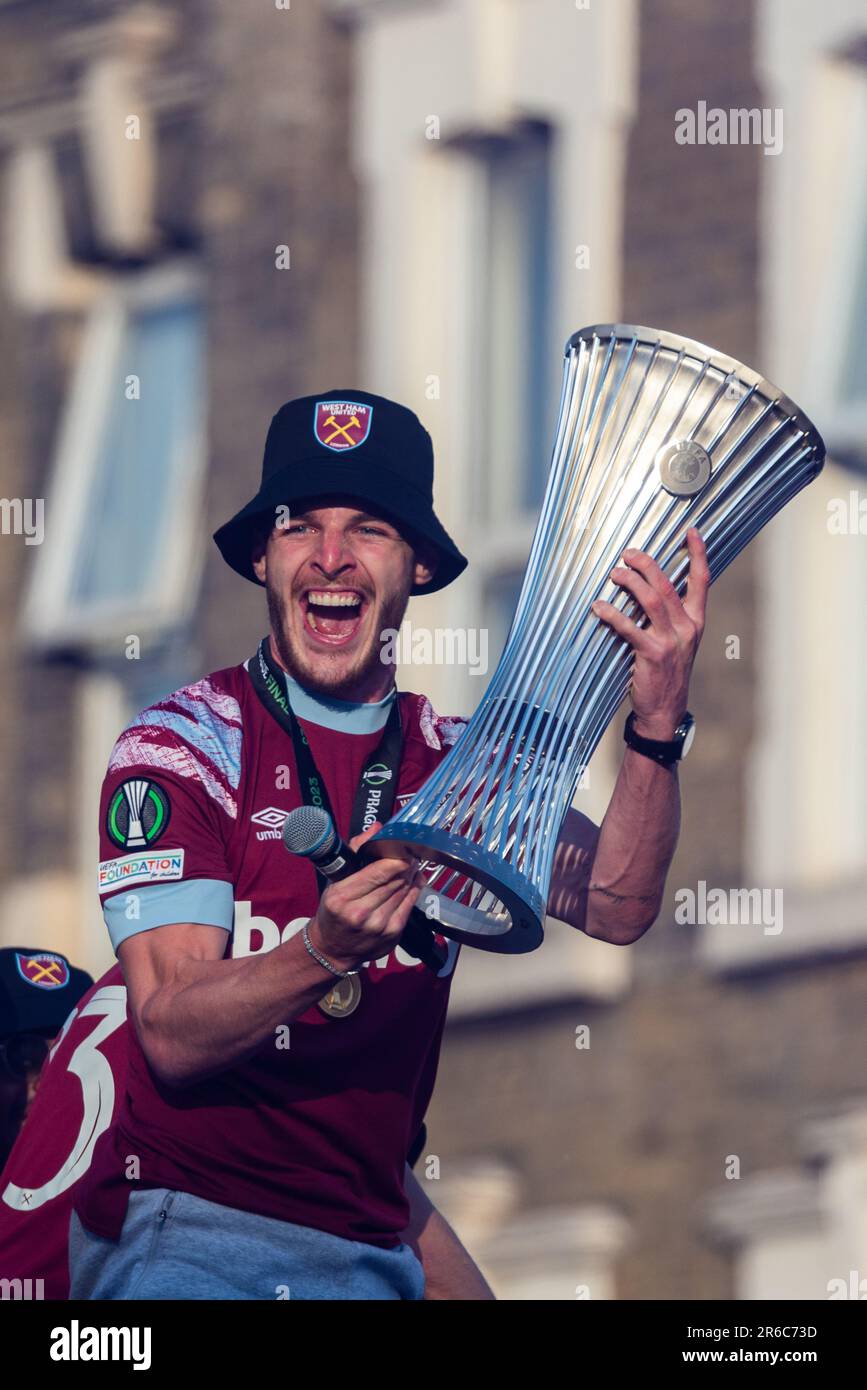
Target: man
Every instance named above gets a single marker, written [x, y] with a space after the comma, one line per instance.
[278, 1073]
[78, 1092]
[38, 990]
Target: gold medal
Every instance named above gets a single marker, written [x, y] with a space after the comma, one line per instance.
[343, 999]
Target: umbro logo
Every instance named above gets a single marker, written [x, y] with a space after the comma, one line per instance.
[272, 819]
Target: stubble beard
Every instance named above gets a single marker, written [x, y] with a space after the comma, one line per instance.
[330, 673]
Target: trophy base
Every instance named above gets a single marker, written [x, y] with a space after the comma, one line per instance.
[513, 923]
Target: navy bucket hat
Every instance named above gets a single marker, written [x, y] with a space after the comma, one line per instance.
[38, 990]
[352, 444]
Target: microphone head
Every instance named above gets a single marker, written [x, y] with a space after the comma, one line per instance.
[308, 830]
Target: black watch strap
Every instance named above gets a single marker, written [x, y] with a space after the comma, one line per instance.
[663, 751]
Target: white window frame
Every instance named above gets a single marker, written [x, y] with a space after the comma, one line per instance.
[49, 619]
[845, 424]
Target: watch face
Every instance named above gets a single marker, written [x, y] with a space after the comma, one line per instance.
[690, 735]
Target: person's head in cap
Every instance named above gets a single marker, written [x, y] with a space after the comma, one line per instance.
[341, 532]
[38, 991]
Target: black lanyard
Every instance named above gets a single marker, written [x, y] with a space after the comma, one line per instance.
[377, 785]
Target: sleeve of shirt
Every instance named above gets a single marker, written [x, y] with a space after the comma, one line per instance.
[168, 803]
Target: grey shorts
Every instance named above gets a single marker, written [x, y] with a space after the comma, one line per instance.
[177, 1246]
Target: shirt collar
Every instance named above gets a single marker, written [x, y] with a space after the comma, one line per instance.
[345, 716]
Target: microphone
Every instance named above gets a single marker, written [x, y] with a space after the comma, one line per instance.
[310, 832]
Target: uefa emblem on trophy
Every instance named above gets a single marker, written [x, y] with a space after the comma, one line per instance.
[656, 433]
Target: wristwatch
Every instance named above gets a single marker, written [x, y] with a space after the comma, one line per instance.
[660, 750]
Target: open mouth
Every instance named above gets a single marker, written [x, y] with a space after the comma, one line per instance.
[333, 616]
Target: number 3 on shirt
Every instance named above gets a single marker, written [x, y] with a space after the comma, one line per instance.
[97, 1093]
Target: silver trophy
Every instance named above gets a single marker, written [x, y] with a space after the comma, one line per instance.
[656, 433]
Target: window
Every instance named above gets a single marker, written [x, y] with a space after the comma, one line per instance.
[119, 553]
[839, 351]
[514, 426]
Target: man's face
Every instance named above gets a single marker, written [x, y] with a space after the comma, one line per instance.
[336, 577]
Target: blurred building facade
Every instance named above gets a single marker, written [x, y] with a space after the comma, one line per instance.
[208, 210]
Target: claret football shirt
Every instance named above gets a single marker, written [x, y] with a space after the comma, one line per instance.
[315, 1132]
[79, 1092]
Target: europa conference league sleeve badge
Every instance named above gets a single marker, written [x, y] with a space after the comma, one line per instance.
[138, 814]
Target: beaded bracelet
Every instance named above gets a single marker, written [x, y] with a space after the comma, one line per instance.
[341, 974]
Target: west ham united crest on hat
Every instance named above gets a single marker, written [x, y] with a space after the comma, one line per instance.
[342, 425]
[44, 970]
